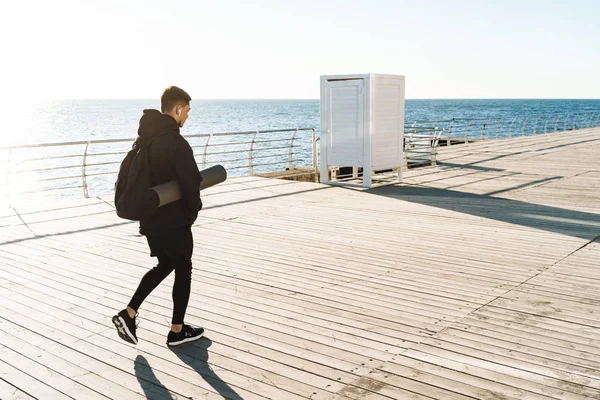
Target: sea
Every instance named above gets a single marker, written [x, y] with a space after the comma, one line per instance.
[74, 120]
[63, 121]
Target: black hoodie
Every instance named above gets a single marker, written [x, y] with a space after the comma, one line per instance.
[171, 158]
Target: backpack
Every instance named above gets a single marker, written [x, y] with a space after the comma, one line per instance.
[134, 183]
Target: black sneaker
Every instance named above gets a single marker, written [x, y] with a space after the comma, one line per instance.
[187, 334]
[126, 326]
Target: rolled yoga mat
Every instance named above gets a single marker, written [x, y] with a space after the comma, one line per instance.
[169, 192]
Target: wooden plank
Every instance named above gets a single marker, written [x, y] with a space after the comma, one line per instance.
[403, 274]
[539, 305]
[432, 376]
[78, 272]
[575, 331]
[183, 381]
[31, 386]
[10, 392]
[520, 379]
[90, 311]
[561, 365]
[313, 291]
[328, 336]
[532, 335]
[397, 387]
[40, 380]
[35, 347]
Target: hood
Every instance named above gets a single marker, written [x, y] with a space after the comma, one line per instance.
[153, 123]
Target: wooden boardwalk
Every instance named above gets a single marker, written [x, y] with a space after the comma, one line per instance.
[478, 278]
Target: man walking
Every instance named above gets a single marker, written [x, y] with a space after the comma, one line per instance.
[169, 231]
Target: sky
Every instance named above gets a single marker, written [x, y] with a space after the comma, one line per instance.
[267, 49]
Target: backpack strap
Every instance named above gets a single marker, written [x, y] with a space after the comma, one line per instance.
[141, 142]
[145, 144]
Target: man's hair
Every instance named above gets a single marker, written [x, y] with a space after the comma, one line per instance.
[173, 96]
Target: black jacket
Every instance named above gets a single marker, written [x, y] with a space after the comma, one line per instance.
[171, 158]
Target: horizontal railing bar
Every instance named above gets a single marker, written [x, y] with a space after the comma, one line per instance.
[246, 150]
[247, 133]
[45, 190]
[259, 165]
[105, 154]
[103, 173]
[238, 143]
[59, 178]
[239, 167]
[275, 163]
[242, 151]
[65, 156]
[103, 141]
[13, 160]
[118, 162]
[253, 157]
[43, 169]
[56, 144]
[104, 163]
[221, 161]
[121, 153]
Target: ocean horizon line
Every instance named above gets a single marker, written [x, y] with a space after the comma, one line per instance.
[317, 99]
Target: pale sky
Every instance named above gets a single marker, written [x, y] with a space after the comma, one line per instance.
[267, 49]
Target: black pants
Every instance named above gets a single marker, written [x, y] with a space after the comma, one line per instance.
[174, 252]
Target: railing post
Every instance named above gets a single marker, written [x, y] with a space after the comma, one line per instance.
[566, 120]
[556, 123]
[574, 121]
[483, 130]
[449, 133]
[511, 127]
[434, 144]
[535, 125]
[314, 154]
[251, 154]
[591, 118]
[84, 171]
[291, 152]
[204, 154]
[467, 132]
[546, 126]
[524, 125]
[498, 127]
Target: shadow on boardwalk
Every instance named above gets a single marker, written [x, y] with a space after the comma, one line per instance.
[195, 356]
[583, 225]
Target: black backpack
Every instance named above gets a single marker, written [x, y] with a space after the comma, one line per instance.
[134, 183]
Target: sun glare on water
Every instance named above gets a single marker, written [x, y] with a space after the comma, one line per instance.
[19, 118]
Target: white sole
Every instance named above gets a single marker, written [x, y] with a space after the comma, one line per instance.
[123, 330]
[192, 339]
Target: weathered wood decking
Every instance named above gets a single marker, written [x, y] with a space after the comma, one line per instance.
[476, 279]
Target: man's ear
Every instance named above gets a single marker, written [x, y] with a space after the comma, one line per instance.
[178, 110]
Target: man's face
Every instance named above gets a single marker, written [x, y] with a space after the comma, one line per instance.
[182, 114]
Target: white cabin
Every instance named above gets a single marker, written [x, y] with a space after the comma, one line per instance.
[362, 125]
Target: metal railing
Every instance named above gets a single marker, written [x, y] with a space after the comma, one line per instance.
[421, 145]
[464, 130]
[93, 165]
